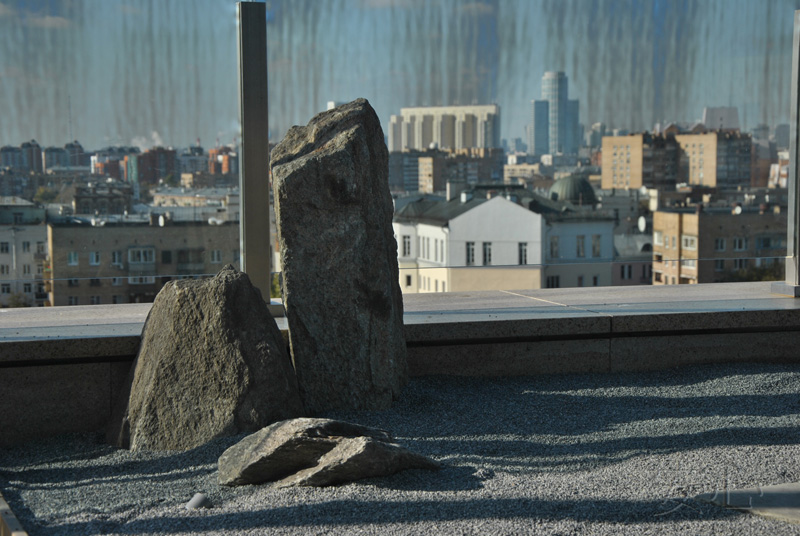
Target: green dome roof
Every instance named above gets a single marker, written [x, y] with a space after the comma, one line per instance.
[575, 189]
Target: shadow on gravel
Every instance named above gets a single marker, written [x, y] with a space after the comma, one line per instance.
[568, 422]
[447, 479]
[349, 515]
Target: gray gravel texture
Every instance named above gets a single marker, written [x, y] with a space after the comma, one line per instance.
[567, 454]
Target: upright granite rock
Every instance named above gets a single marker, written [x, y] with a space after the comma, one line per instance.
[341, 289]
[212, 363]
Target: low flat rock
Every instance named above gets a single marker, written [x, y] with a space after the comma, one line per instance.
[315, 452]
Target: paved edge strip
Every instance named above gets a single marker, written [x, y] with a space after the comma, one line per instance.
[9, 524]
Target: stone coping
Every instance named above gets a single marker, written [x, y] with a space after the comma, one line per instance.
[84, 334]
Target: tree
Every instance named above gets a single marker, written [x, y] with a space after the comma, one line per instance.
[19, 300]
[45, 195]
[275, 286]
[773, 272]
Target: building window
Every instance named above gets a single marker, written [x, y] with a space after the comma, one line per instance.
[166, 257]
[689, 263]
[739, 243]
[4, 247]
[117, 299]
[406, 245]
[553, 249]
[553, 281]
[142, 280]
[94, 258]
[40, 247]
[26, 247]
[408, 280]
[740, 264]
[4, 269]
[5, 288]
[658, 238]
[595, 280]
[719, 265]
[719, 244]
[580, 280]
[580, 249]
[596, 245]
[523, 253]
[95, 300]
[27, 288]
[72, 300]
[142, 255]
[73, 282]
[116, 258]
[470, 254]
[487, 253]
[626, 271]
[26, 269]
[674, 242]
[689, 242]
[72, 258]
[94, 282]
[216, 256]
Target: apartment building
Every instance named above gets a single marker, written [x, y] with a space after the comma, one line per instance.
[22, 249]
[446, 127]
[710, 245]
[717, 159]
[630, 162]
[123, 262]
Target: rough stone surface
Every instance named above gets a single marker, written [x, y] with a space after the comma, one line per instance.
[341, 289]
[315, 452]
[212, 363]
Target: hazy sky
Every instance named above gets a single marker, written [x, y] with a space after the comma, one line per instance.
[147, 72]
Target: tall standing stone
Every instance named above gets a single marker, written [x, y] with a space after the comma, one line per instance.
[339, 255]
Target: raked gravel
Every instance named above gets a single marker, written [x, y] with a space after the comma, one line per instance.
[567, 454]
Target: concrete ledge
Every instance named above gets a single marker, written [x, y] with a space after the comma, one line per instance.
[63, 367]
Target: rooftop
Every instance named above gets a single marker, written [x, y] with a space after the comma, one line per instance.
[600, 410]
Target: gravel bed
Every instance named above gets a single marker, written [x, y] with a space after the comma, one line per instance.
[566, 454]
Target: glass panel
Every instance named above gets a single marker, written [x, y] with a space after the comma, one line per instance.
[618, 168]
[119, 148]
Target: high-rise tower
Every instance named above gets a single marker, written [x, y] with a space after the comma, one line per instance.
[555, 115]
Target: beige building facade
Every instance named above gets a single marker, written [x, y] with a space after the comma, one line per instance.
[447, 127]
[708, 246]
[630, 162]
[129, 263]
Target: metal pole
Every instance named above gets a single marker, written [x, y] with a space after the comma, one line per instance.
[791, 286]
[255, 247]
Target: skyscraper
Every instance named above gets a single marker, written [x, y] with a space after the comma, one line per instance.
[556, 115]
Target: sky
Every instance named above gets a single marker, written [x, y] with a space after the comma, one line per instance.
[163, 72]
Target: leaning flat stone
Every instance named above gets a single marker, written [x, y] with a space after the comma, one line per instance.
[339, 256]
[212, 363]
[355, 458]
[781, 502]
[314, 452]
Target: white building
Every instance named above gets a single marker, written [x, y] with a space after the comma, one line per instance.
[494, 238]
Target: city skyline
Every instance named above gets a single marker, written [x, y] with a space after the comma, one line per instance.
[147, 73]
